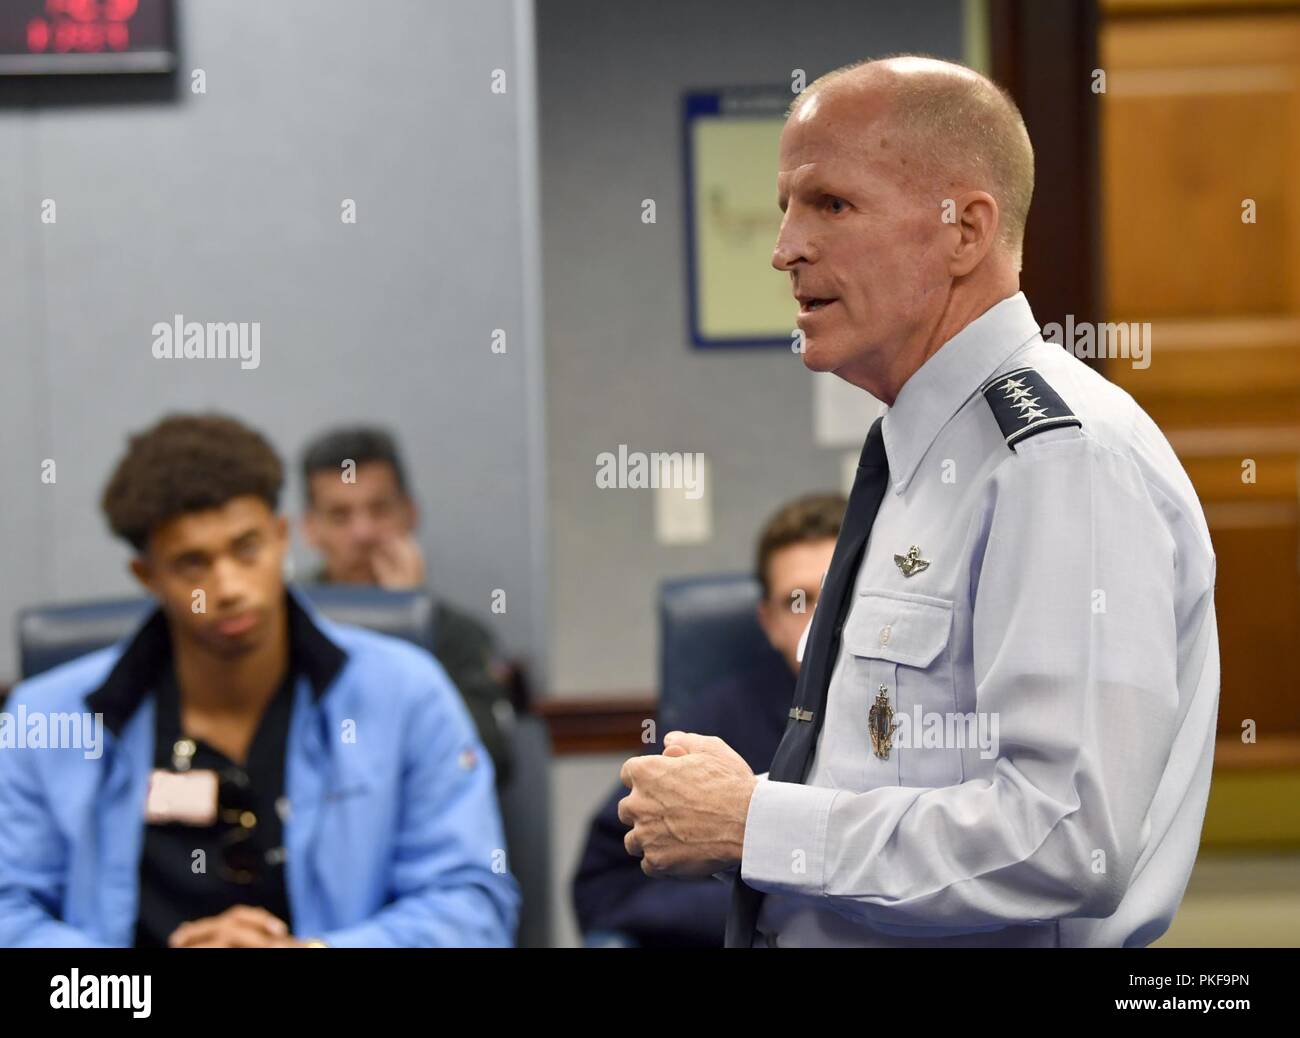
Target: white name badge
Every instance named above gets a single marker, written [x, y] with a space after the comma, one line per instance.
[188, 797]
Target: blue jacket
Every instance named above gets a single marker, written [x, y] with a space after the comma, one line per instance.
[393, 836]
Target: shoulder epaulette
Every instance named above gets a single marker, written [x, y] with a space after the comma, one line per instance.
[1024, 404]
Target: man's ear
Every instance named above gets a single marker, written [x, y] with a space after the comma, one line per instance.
[978, 220]
[412, 514]
[141, 571]
[310, 527]
[764, 615]
[281, 527]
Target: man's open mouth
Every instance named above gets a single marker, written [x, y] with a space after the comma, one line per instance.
[807, 306]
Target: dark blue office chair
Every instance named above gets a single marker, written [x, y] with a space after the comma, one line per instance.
[526, 815]
[50, 635]
[707, 631]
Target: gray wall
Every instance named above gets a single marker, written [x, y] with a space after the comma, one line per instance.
[619, 368]
[225, 207]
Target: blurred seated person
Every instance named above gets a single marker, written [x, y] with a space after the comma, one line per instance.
[361, 517]
[266, 778]
[748, 710]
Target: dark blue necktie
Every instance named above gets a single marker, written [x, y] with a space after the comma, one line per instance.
[795, 753]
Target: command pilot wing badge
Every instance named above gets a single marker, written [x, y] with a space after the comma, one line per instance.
[912, 561]
[1025, 405]
[881, 725]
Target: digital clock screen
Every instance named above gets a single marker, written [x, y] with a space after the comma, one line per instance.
[55, 36]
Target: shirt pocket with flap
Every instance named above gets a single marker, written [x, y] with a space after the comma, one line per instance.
[899, 648]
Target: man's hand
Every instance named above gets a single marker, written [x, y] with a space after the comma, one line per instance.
[240, 927]
[688, 806]
[398, 563]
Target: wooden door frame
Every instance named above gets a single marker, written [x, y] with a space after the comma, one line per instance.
[1044, 55]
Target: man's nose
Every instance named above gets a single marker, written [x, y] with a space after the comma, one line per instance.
[792, 247]
[361, 529]
[227, 583]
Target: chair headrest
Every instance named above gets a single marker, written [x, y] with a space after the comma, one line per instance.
[51, 635]
[708, 630]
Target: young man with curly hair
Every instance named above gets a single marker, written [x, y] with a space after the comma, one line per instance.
[269, 778]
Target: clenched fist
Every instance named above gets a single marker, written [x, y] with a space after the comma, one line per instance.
[688, 806]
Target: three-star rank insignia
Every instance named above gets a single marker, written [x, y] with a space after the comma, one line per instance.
[1024, 404]
[881, 725]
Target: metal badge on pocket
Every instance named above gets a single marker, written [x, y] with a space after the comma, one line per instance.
[911, 562]
[881, 725]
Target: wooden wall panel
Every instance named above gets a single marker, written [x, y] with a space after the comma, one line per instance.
[1200, 113]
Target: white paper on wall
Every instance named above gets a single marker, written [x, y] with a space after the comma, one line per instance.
[684, 513]
[842, 413]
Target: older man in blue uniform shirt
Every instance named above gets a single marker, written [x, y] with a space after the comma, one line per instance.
[1004, 724]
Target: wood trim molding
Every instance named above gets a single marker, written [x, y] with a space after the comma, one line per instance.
[1184, 8]
[605, 724]
[613, 724]
[1271, 753]
[1229, 442]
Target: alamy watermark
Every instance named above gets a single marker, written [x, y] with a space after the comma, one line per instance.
[932, 730]
[36, 730]
[657, 469]
[75, 990]
[1110, 340]
[215, 340]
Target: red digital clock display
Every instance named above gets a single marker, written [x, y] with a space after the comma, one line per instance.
[52, 36]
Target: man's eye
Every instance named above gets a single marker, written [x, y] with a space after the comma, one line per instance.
[836, 205]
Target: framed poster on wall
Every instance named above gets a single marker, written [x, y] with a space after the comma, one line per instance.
[730, 140]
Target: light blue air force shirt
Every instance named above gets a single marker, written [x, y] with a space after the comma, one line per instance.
[1051, 677]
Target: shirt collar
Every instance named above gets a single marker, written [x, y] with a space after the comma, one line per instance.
[949, 378]
[311, 652]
